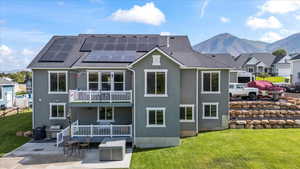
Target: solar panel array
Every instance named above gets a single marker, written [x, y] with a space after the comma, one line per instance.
[134, 43]
[59, 50]
[111, 57]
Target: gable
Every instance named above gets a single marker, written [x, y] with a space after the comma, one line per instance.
[261, 64]
[157, 52]
[252, 61]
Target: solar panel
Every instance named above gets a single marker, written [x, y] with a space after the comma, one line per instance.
[59, 50]
[120, 43]
[111, 57]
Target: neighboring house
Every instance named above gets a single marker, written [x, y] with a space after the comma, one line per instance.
[150, 89]
[295, 61]
[7, 93]
[282, 66]
[256, 63]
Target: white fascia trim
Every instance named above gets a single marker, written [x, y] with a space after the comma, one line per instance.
[57, 118]
[193, 112]
[50, 68]
[203, 110]
[161, 51]
[164, 116]
[58, 71]
[202, 80]
[98, 68]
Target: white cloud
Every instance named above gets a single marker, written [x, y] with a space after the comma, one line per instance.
[297, 17]
[15, 59]
[203, 7]
[260, 23]
[28, 52]
[280, 6]
[271, 37]
[5, 50]
[147, 14]
[224, 19]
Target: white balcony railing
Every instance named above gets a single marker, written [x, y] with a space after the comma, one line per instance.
[100, 96]
[101, 130]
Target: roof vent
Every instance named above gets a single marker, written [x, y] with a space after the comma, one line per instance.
[213, 56]
[172, 37]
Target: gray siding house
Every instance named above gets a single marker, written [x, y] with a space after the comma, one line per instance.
[149, 89]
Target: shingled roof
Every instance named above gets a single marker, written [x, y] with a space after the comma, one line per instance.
[266, 58]
[56, 54]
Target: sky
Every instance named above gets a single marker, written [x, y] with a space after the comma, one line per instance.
[27, 25]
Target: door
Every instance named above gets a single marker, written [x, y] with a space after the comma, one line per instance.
[9, 99]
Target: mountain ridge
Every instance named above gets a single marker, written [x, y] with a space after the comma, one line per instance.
[228, 43]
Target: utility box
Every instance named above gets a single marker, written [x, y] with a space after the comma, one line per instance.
[112, 149]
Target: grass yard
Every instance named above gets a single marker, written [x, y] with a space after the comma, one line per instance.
[272, 79]
[228, 149]
[8, 128]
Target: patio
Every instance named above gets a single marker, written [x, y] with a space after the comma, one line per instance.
[47, 155]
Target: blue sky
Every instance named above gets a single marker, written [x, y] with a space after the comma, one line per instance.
[26, 25]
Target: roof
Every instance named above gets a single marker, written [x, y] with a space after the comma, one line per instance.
[296, 57]
[4, 81]
[89, 51]
[266, 58]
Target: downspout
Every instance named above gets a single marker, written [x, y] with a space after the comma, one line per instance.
[197, 97]
[133, 104]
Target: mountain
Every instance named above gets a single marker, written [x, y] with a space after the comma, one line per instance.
[290, 44]
[227, 43]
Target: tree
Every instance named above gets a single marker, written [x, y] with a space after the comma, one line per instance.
[279, 53]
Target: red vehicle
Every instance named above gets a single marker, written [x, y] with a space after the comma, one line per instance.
[267, 89]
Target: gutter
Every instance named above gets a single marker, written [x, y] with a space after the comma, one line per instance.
[134, 108]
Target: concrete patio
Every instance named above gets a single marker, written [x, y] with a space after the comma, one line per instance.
[48, 156]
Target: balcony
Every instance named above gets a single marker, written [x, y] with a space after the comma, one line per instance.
[79, 96]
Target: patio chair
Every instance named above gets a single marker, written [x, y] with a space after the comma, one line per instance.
[86, 144]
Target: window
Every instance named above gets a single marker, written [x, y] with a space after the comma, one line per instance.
[156, 82]
[250, 69]
[1, 93]
[93, 81]
[187, 113]
[211, 82]
[155, 117]
[210, 110]
[58, 81]
[105, 113]
[107, 81]
[57, 111]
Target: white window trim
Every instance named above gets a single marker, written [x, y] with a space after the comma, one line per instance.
[49, 88]
[2, 93]
[57, 118]
[202, 82]
[164, 116]
[98, 115]
[112, 80]
[193, 111]
[210, 103]
[166, 83]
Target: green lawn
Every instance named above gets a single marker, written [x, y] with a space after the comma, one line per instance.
[240, 148]
[8, 128]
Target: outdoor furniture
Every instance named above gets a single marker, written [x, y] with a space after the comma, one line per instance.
[66, 144]
[86, 144]
[112, 149]
[74, 146]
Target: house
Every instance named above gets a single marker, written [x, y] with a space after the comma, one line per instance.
[295, 61]
[256, 63]
[7, 93]
[149, 89]
[282, 66]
